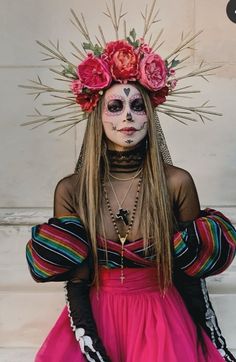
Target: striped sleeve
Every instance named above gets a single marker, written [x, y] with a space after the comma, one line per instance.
[56, 248]
[206, 246]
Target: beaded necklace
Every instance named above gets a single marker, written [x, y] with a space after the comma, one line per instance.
[122, 214]
[123, 239]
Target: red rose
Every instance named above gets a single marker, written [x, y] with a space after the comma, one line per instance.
[87, 101]
[94, 73]
[153, 72]
[159, 97]
[123, 60]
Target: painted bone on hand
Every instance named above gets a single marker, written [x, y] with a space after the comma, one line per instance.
[82, 322]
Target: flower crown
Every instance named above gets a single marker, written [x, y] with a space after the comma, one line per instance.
[122, 61]
[132, 59]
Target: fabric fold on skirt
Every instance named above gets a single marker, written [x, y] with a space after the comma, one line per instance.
[136, 322]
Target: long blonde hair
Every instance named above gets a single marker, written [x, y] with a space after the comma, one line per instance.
[156, 212]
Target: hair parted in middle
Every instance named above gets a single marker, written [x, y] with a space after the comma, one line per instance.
[156, 212]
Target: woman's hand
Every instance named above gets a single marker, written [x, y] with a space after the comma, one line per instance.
[83, 323]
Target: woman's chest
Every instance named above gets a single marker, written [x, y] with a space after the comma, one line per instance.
[120, 212]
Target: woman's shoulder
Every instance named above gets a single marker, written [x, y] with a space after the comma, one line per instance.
[177, 177]
[183, 193]
[67, 183]
[64, 195]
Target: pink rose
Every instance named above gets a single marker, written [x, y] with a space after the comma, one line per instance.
[153, 72]
[173, 83]
[172, 71]
[76, 86]
[123, 60]
[87, 101]
[145, 49]
[94, 73]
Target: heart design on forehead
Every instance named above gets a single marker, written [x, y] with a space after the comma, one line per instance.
[126, 91]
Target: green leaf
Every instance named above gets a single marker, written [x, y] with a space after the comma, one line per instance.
[86, 90]
[174, 63]
[97, 50]
[136, 44]
[69, 70]
[88, 46]
[132, 33]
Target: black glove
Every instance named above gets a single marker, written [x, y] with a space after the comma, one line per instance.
[82, 321]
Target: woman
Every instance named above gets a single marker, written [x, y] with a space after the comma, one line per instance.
[128, 234]
[120, 211]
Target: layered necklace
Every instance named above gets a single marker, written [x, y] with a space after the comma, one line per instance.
[127, 162]
[122, 213]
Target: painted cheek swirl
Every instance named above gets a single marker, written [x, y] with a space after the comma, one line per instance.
[143, 126]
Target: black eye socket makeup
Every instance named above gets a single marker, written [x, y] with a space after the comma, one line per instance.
[137, 105]
[115, 105]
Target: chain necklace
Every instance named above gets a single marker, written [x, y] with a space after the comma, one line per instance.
[123, 239]
[122, 213]
[126, 179]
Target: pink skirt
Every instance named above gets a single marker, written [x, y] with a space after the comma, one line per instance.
[135, 322]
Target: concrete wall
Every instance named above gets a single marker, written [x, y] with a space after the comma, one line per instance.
[33, 161]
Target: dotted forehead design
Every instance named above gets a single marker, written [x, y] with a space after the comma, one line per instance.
[114, 96]
[136, 96]
[119, 96]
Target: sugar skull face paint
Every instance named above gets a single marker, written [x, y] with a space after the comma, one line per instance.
[124, 116]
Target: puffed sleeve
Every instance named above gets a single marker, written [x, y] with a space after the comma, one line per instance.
[57, 248]
[206, 245]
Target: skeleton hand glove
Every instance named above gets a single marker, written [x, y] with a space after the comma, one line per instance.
[82, 322]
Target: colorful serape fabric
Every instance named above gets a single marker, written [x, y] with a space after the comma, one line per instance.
[56, 248]
[205, 246]
[135, 255]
